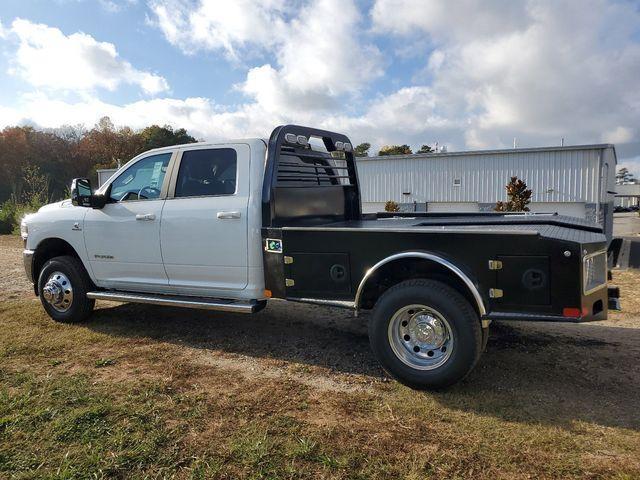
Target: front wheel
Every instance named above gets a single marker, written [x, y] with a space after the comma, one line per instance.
[425, 334]
[63, 284]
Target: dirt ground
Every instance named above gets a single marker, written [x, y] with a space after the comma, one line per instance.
[332, 342]
[626, 224]
[330, 338]
[571, 377]
[13, 280]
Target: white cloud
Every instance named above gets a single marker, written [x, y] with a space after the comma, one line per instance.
[618, 135]
[400, 117]
[225, 26]
[318, 51]
[47, 58]
[535, 70]
[116, 6]
[460, 19]
[201, 116]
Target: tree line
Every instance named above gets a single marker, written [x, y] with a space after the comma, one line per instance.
[362, 150]
[37, 165]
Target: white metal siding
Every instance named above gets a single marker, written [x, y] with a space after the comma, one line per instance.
[555, 175]
[105, 174]
[452, 207]
[572, 209]
[372, 207]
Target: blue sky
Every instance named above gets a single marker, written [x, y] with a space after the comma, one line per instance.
[466, 74]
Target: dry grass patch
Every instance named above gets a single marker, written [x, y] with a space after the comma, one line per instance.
[106, 400]
[629, 283]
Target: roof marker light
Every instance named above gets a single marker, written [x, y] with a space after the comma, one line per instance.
[339, 145]
[291, 138]
[347, 147]
[302, 140]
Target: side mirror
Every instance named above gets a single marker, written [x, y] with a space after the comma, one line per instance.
[82, 195]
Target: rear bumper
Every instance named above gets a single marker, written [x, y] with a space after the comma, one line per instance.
[593, 308]
[27, 258]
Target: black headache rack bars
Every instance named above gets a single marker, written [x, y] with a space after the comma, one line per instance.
[310, 178]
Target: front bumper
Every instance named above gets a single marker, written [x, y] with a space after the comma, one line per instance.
[27, 258]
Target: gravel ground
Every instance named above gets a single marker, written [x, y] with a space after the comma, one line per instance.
[13, 280]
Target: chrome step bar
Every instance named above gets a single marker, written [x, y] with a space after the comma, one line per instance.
[202, 303]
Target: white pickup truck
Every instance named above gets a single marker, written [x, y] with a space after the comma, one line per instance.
[226, 226]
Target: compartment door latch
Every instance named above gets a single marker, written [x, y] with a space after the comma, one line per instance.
[495, 265]
[496, 293]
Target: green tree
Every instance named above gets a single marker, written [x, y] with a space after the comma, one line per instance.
[425, 149]
[624, 177]
[156, 137]
[36, 162]
[519, 197]
[15, 155]
[35, 189]
[395, 150]
[362, 150]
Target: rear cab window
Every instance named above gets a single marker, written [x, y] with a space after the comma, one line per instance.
[207, 172]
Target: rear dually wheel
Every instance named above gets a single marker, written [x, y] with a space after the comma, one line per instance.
[425, 334]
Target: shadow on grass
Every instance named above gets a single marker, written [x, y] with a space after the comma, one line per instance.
[532, 373]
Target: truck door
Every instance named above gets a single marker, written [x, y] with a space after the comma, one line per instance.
[204, 221]
[123, 238]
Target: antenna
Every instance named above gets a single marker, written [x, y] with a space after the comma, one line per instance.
[562, 142]
[515, 145]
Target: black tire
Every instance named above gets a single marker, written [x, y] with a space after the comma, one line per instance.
[464, 329]
[79, 307]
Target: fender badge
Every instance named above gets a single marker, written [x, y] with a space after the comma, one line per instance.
[76, 226]
[273, 245]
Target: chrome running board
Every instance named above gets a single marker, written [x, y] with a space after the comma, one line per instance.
[203, 303]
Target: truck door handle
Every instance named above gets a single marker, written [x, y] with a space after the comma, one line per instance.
[228, 215]
[145, 216]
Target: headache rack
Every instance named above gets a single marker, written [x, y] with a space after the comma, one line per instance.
[311, 169]
[310, 178]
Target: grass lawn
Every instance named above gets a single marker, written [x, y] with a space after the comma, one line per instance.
[141, 392]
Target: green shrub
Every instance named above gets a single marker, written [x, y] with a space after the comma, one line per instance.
[12, 212]
[391, 206]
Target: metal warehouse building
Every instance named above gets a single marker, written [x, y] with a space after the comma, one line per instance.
[627, 195]
[571, 180]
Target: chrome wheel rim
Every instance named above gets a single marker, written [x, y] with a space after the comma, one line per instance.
[420, 337]
[58, 292]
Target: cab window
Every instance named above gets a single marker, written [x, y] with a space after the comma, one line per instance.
[142, 180]
[207, 172]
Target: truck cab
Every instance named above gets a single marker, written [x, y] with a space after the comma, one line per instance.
[178, 220]
[227, 226]
[181, 221]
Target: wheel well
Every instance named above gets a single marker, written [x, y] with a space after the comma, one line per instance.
[394, 272]
[46, 250]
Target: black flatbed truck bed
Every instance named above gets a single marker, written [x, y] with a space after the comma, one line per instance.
[320, 248]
